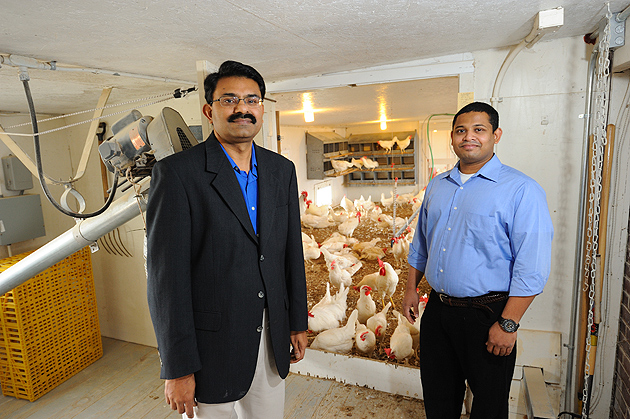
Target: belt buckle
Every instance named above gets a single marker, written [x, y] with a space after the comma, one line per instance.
[444, 298]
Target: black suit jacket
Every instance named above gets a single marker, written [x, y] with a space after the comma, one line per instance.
[210, 275]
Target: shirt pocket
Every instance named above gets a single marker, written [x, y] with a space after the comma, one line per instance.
[479, 229]
[207, 320]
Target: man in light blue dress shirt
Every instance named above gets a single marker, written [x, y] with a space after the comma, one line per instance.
[483, 242]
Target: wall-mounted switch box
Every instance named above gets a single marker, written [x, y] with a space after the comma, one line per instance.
[16, 176]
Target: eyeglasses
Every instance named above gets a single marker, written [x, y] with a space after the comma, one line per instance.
[231, 101]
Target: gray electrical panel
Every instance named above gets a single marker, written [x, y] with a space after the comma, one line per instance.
[16, 176]
[21, 219]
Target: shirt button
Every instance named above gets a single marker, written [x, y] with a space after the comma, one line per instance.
[449, 229]
[441, 270]
[455, 208]
[461, 187]
[444, 250]
[253, 208]
[262, 258]
[261, 294]
[259, 329]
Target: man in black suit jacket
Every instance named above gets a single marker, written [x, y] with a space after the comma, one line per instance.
[226, 282]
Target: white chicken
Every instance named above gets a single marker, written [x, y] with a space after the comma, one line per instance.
[401, 342]
[311, 252]
[342, 261]
[378, 322]
[320, 211]
[387, 281]
[338, 276]
[387, 202]
[400, 249]
[359, 247]
[414, 329]
[347, 227]
[375, 213]
[337, 217]
[369, 280]
[329, 312]
[365, 304]
[347, 204]
[315, 221]
[357, 163]
[403, 144]
[339, 340]
[388, 145]
[364, 339]
[340, 165]
[303, 199]
[369, 163]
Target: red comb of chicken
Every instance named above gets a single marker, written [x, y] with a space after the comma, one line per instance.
[389, 353]
[363, 335]
[310, 314]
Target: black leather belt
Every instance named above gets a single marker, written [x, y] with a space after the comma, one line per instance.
[480, 302]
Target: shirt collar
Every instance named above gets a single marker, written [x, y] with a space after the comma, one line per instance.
[235, 166]
[490, 170]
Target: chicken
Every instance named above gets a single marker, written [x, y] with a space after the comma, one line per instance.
[363, 205]
[343, 261]
[414, 329]
[310, 240]
[320, 211]
[337, 217]
[401, 342]
[329, 312]
[357, 163]
[416, 203]
[402, 145]
[365, 304]
[303, 199]
[375, 213]
[387, 281]
[311, 252]
[400, 249]
[340, 165]
[378, 322]
[372, 253]
[315, 221]
[387, 202]
[364, 339]
[347, 204]
[369, 280]
[339, 340]
[404, 199]
[369, 163]
[339, 276]
[347, 227]
[388, 145]
[359, 247]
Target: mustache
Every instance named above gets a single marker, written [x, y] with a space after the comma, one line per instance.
[240, 115]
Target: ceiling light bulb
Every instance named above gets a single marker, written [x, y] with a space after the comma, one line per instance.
[309, 116]
[383, 122]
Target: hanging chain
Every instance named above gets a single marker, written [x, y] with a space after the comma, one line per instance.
[600, 96]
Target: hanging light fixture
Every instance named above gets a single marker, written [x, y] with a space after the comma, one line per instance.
[383, 118]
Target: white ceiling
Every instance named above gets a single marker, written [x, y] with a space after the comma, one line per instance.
[282, 39]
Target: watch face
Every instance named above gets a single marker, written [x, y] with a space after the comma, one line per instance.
[508, 325]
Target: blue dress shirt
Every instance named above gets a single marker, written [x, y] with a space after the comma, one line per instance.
[492, 233]
[248, 181]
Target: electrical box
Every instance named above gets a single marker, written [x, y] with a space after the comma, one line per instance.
[21, 219]
[16, 176]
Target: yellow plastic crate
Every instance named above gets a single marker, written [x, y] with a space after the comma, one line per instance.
[49, 327]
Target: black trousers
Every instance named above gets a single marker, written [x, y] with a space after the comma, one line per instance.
[453, 350]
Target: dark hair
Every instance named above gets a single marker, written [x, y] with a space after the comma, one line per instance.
[232, 69]
[492, 113]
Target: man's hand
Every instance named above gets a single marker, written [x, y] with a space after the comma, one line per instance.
[500, 342]
[180, 394]
[299, 342]
[410, 304]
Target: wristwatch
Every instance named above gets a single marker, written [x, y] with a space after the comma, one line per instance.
[508, 325]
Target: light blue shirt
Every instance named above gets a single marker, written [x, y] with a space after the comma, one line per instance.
[248, 181]
[492, 233]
